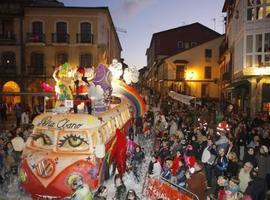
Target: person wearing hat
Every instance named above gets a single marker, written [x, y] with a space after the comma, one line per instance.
[80, 190]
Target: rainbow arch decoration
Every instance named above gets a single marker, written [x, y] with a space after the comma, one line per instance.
[123, 90]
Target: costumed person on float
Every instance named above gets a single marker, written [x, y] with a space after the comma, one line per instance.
[80, 190]
[101, 89]
[63, 77]
[81, 84]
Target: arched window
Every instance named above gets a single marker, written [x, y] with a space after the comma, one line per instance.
[37, 32]
[8, 59]
[61, 32]
[61, 58]
[37, 28]
[85, 29]
[86, 60]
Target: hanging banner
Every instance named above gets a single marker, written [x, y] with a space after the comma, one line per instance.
[180, 97]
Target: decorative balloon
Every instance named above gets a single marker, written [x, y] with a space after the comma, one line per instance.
[116, 69]
[46, 87]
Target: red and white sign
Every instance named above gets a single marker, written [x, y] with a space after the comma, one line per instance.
[159, 189]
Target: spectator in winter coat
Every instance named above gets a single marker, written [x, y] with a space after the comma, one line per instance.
[232, 170]
[250, 157]
[244, 175]
[222, 142]
[221, 163]
[196, 183]
[101, 193]
[136, 162]
[131, 195]
[167, 172]
[25, 118]
[263, 162]
[208, 158]
[121, 189]
[181, 174]
[154, 169]
[256, 187]
[164, 152]
[175, 164]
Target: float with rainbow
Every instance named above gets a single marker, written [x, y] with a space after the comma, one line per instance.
[72, 149]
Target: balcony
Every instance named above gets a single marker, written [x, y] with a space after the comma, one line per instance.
[34, 70]
[35, 38]
[7, 37]
[60, 38]
[4, 69]
[85, 38]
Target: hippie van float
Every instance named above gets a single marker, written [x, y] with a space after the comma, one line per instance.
[64, 146]
[70, 154]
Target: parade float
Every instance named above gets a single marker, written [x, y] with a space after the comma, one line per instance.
[73, 148]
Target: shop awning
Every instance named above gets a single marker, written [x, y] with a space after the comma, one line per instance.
[180, 97]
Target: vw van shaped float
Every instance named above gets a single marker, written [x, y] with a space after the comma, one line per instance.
[67, 146]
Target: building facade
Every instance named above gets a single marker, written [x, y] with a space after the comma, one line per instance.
[164, 50]
[193, 72]
[248, 37]
[46, 37]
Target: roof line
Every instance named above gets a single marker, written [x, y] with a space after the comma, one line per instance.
[192, 47]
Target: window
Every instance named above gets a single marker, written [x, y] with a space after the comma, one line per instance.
[258, 56]
[37, 28]
[257, 9]
[37, 60]
[61, 32]
[61, 58]
[267, 42]
[6, 29]
[180, 45]
[208, 72]
[205, 90]
[86, 60]
[249, 44]
[186, 45]
[180, 72]
[8, 59]
[258, 43]
[85, 32]
[249, 61]
[208, 53]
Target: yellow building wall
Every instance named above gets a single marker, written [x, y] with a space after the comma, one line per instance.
[196, 64]
[73, 17]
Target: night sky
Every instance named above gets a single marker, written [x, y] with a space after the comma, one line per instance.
[142, 18]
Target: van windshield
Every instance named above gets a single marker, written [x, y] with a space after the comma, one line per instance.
[60, 140]
[43, 138]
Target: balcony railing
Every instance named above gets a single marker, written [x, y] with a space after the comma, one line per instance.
[4, 69]
[34, 70]
[35, 38]
[7, 37]
[85, 38]
[60, 38]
